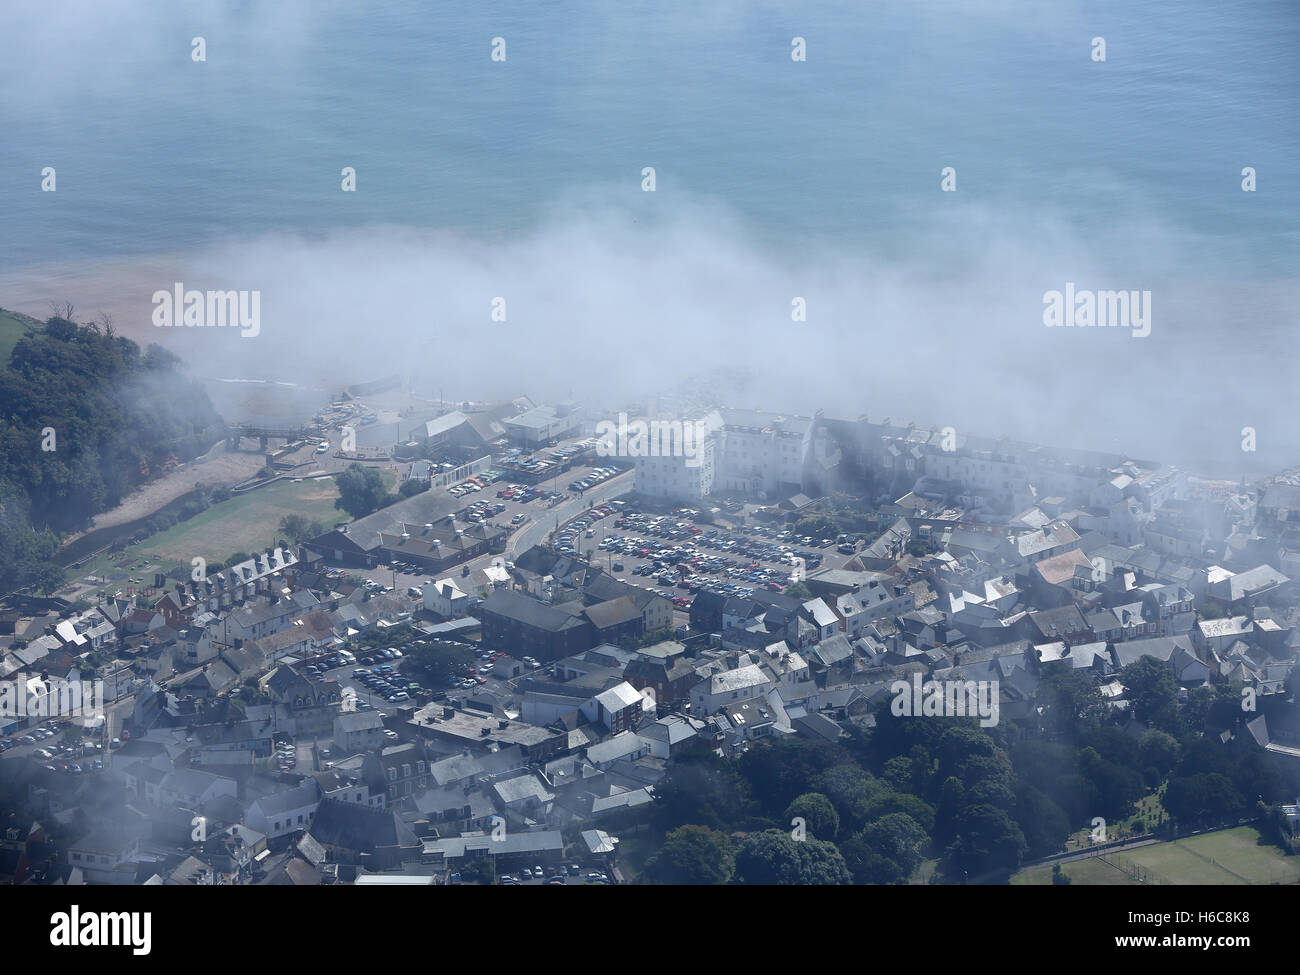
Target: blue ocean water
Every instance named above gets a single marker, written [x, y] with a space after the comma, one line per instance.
[1124, 173]
[157, 153]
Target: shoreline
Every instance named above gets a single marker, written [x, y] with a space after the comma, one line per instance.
[123, 287]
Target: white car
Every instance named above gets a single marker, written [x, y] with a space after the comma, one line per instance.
[322, 448]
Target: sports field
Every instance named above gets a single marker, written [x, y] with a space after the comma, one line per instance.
[1229, 856]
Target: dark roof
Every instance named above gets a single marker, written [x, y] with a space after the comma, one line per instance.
[524, 609]
[613, 612]
[351, 826]
[1055, 623]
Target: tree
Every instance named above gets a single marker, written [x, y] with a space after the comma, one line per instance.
[118, 420]
[798, 590]
[987, 840]
[775, 857]
[1153, 692]
[411, 487]
[1118, 786]
[361, 491]
[1204, 799]
[1072, 703]
[886, 851]
[1043, 823]
[1158, 750]
[891, 803]
[851, 789]
[693, 855]
[702, 789]
[817, 813]
[816, 526]
[298, 527]
[779, 769]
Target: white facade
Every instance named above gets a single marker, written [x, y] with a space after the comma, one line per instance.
[729, 687]
[672, 474]
[762, 452]
[445, 599]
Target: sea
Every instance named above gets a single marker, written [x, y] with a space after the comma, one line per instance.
[921, 172]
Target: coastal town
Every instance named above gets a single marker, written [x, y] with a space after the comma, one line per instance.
[497, 675]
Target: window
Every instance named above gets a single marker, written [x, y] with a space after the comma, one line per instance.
[419, 768]
[392, 775]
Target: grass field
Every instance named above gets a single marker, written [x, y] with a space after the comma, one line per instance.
[13, 326]
[242, 524]
[1091, 872]
[1229, 856]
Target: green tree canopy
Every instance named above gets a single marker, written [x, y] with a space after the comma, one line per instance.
[775, 857]
[693, 855]
[818, 814]
[361, 491]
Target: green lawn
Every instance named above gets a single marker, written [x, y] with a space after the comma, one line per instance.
[1221, 858]
[1178, 865]
[1092, 872]
[242, 524]
[13, 326]
[1239, 851]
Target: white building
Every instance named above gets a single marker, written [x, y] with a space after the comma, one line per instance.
[673, 472]
[762, 453]
[728, 687]
[445, 598]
